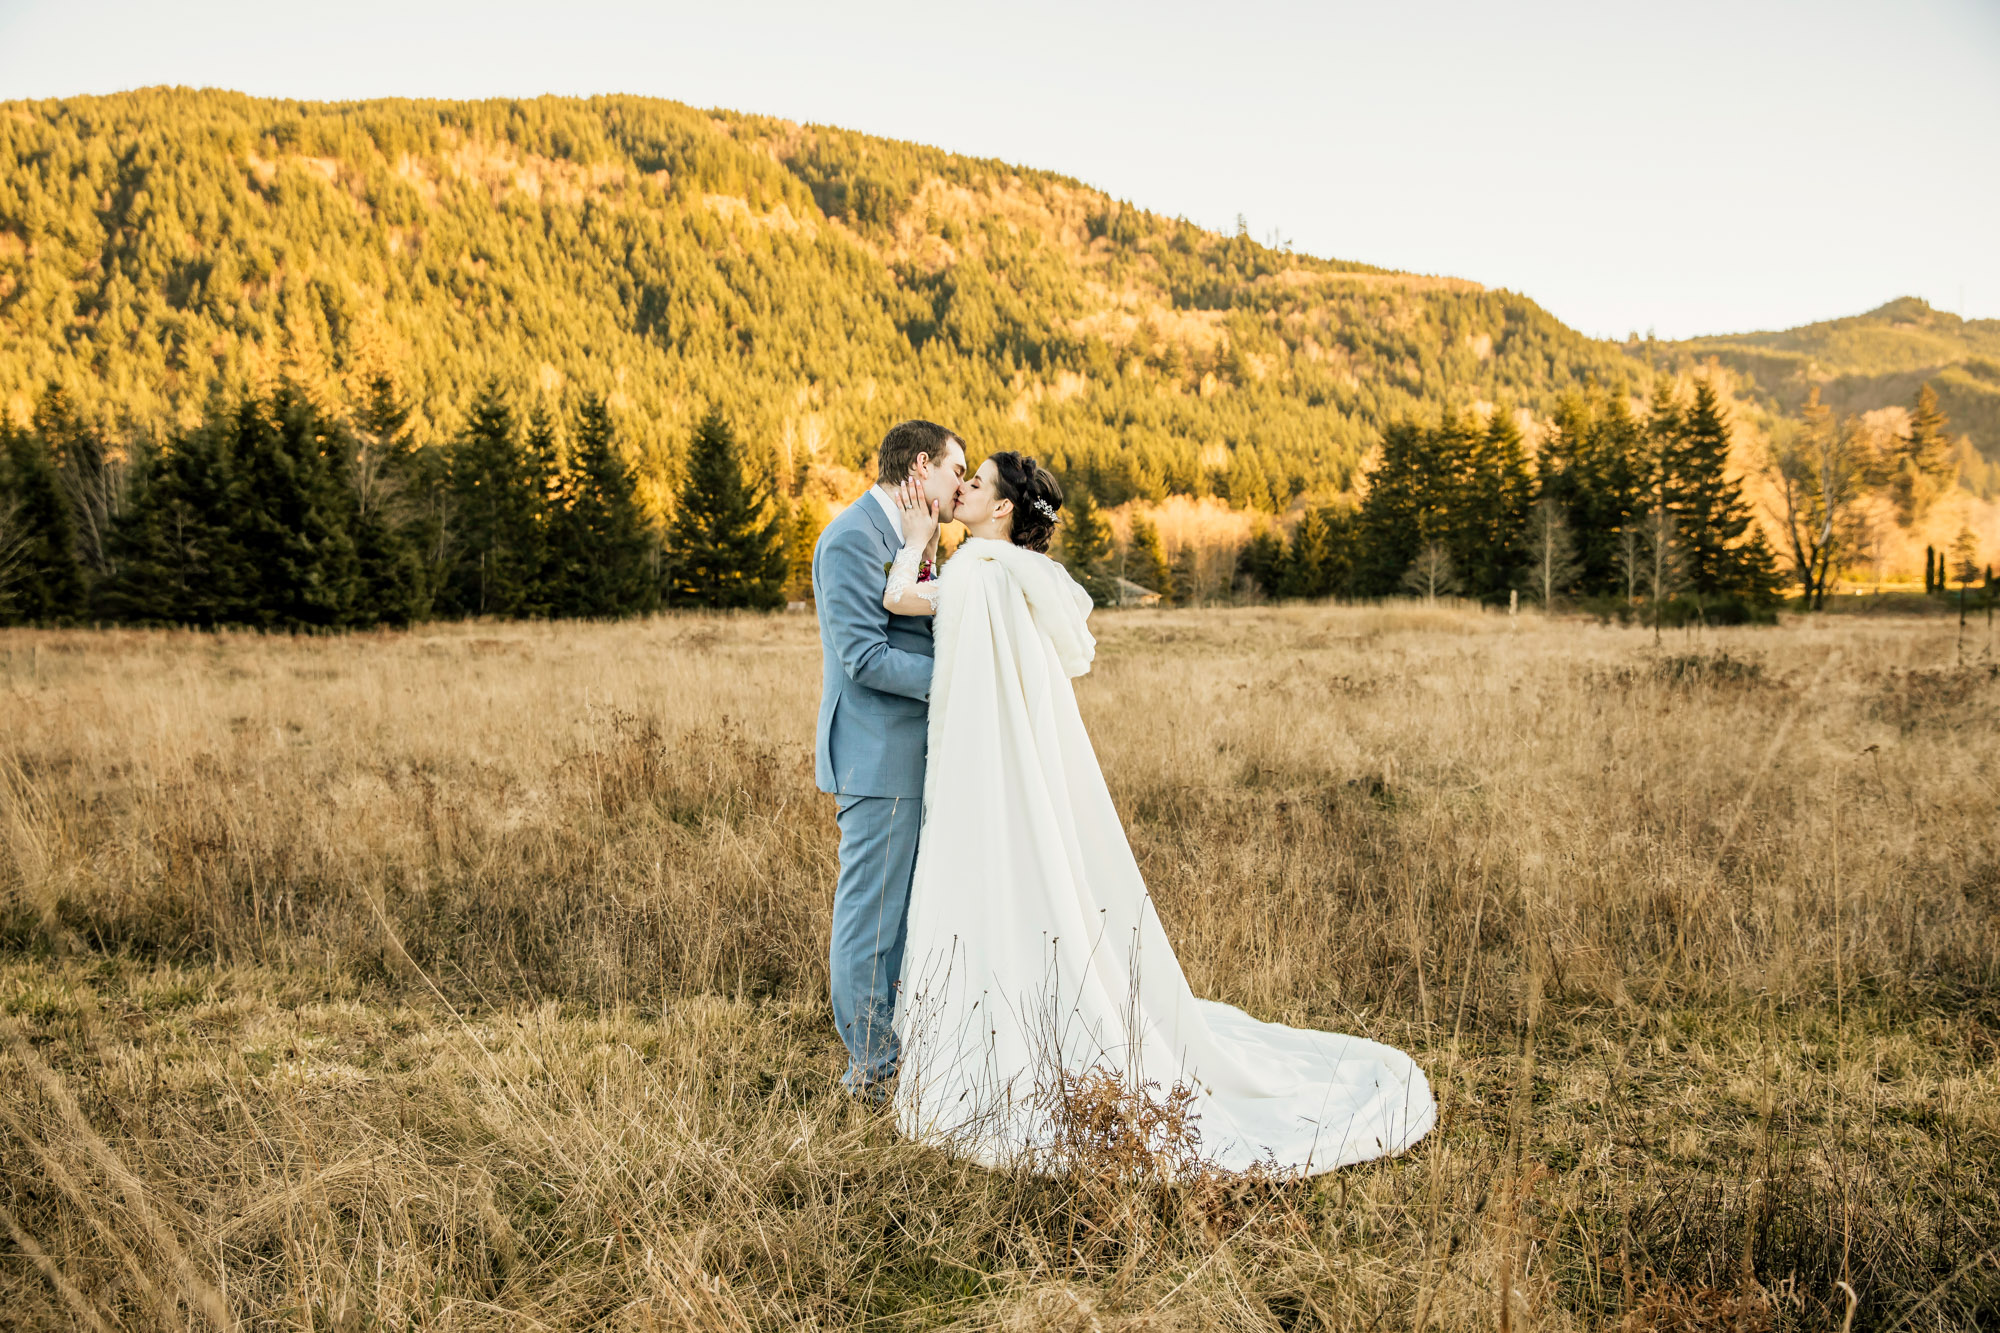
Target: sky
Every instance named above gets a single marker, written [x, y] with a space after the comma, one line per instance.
[1684, 168]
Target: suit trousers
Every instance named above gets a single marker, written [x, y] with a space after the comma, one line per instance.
[871, 901]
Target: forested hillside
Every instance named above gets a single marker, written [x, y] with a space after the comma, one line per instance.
[1878, 360]
[163, 249]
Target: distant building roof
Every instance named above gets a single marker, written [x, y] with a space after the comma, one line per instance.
[1131, 594]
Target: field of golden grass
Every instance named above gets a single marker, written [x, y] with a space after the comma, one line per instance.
[474, 978]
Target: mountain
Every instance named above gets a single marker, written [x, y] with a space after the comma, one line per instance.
[166, 248]
[1874, 361]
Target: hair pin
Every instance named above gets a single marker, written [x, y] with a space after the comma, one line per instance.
[1046, 509]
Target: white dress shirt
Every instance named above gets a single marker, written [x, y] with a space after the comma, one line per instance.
[887, 499]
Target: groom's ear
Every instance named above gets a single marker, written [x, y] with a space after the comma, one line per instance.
[920, 465]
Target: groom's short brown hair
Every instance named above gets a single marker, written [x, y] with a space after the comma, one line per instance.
[907, 439]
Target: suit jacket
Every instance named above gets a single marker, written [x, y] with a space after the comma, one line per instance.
[875, 667]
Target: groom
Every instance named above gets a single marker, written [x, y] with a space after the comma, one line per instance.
[869, 750]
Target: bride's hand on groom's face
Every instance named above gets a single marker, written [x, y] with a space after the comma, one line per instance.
[920, 514]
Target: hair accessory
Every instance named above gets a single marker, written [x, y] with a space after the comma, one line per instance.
[1047, 510]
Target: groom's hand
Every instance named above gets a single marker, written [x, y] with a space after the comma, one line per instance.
[920, 514]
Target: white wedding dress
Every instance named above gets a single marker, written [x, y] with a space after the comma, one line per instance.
[1034, 947]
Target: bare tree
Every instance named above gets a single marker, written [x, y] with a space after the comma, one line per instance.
[1652, 561]
[90, 474]
[13, 554]
[1631, 559]
[1553, 565]
[1430, 575]
[1821, 471]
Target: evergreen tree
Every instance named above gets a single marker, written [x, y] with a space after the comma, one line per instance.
[1187, 581]
[175, 554]
[294, 518]
[1720, 552]
[1320, 561]
[1261, 563]
[380, 446]
[392, 525]
[808, 520]
[1453, 516]
[1615, 481]
[1400, 491]
[1086, 547]
[601, 544]
[1149, 568]
[1501, 492]
[1964, 565]
[724, 546]
[547, 495]
[43, 581]
[1922, 469]
[498, 563]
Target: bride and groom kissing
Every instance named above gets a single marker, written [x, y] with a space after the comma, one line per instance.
[992, 935]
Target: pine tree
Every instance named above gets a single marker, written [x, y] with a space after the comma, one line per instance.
[1400, 489]
[175, 556]
[1922, 469]
[295, 516]
[1149, 566]
[498, 563]
[1501, 493]
[1964, 564]
[1454, 515]
[380, 446]
[1261, 563]
[724, 546]
[1187, 579]
[1086, 547]
[392, 527]
[600, 542]
[1930, 570]
[808, 520]
[1710, 514]
[41, 581]
[546, 496]
[1616, 479]
[1246, 483]
[1320, 561]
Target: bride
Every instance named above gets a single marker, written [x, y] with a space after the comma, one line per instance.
[1034, 954]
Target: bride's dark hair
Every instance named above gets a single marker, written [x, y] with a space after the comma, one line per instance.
[1024, 481]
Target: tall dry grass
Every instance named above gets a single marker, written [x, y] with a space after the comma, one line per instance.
[474, 977]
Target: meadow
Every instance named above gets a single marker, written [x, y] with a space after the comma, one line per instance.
[473, 977]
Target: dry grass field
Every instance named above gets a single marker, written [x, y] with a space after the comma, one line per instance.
[474, 978]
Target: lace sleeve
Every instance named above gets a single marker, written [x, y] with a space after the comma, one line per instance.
[903, 577]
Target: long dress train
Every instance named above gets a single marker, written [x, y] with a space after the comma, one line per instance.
[1034, 951]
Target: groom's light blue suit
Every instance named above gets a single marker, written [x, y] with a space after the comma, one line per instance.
[869, 751]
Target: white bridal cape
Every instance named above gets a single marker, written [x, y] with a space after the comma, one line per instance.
[1033, 944]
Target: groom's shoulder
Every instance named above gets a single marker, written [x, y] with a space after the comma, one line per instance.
[851, 526]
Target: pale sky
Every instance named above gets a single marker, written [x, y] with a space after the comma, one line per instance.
[1685, 167]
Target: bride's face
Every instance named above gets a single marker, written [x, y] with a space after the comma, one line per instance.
[980, 506]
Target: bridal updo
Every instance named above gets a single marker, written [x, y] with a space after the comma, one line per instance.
[1025, 482]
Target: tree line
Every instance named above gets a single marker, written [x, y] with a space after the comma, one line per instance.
[1613, 506]
[277, 513]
